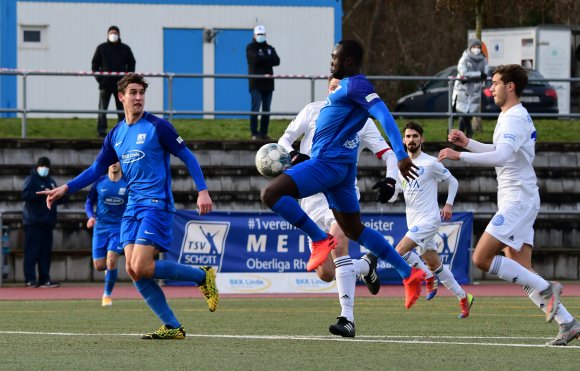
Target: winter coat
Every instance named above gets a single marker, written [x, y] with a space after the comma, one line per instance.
[35, 211]
[112, 57]
[467, 91]
[261, 58]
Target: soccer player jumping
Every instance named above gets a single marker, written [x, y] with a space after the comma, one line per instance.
[511, 229]
[333, 164]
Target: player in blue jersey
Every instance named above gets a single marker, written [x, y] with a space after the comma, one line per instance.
[109, 195]
[142, 143]
[332, 168]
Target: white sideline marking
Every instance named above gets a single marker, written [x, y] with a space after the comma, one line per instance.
[361, 339]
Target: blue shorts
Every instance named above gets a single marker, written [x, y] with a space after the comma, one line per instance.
[104, 240]
[335, 179]
[147, 226]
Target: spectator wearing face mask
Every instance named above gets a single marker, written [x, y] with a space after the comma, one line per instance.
[39, 223]
[472, 70]
[261, 58]
[111, 56]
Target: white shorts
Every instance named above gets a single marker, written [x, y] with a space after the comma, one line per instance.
[513, 223]
[316, 207]
[424, 236]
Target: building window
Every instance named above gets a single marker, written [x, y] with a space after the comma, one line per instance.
[33, 36]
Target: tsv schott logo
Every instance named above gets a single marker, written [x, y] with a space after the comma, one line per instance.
[204, 243]
[114, 201]
[498, 220]
[352, 143]
[132, 156]
[447, 240]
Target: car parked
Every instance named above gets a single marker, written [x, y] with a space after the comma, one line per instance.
[432, 96]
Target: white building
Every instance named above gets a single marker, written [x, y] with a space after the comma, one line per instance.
[173, 36]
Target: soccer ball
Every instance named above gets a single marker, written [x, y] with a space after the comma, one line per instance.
[272, 159]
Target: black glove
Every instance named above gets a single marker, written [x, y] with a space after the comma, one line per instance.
[386, 189]
[483, 76]
[297, 157]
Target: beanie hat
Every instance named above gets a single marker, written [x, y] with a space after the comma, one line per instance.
[43, 161]
[114, 28]
[473, 42]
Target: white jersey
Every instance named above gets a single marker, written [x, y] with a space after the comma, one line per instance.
[421, 193]
[515, 127]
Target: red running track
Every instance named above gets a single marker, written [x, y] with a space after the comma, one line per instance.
[72, 291]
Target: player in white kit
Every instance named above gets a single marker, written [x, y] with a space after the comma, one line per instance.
[317, 208]
[424, 217]
[511, 228]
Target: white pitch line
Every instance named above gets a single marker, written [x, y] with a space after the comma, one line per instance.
[363, 339]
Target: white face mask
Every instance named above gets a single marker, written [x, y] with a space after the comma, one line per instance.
[42, 171]
[475, 51]
[260, 38]
[113, 37]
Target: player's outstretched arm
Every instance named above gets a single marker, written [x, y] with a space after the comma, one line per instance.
[54, 195]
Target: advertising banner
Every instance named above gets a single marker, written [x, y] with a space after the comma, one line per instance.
[257, 252]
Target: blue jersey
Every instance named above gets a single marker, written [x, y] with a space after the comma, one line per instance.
[143, 150]
[343, 116]
[111, 200]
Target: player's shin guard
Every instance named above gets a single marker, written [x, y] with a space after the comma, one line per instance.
[110, 279]
[170, 270]
[155, 299]
[415, 261]
[345, 282]
[289, 209]
[376, 243]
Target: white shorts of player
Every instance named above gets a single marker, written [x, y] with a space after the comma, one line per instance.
[316, 207]
[424, 236]
[513, 223]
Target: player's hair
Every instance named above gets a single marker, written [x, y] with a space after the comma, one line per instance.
[353, 49]
[414, 126]
[513, 73]
[131, 78]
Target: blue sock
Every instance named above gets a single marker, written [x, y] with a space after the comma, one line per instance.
[155, 299]
[110, 279]
[376, 243]
[170, 270]
[289, 209]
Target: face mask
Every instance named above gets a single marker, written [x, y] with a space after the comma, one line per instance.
[42, 171]
[113, 37]
[475, 51]
[260, 38]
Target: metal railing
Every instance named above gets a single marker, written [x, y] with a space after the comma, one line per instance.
[170, 112]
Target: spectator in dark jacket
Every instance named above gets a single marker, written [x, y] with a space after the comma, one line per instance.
[261, 58]
[111, 56]
[39, 223]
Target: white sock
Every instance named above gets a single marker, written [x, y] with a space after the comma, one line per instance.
[562, 315]
[447, 279]
[345, 282]
[511, 271]
[360, 267]
[415, 261]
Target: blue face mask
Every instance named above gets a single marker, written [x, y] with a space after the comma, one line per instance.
[42, 171]
[260, 39]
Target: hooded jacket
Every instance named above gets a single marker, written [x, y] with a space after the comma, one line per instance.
[35, 212]
[112, 57]
[470, 68]
[261, 58]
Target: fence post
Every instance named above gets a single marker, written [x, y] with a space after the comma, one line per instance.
[312, 82]
[24, 107]
[449, 104]
[170, 96]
